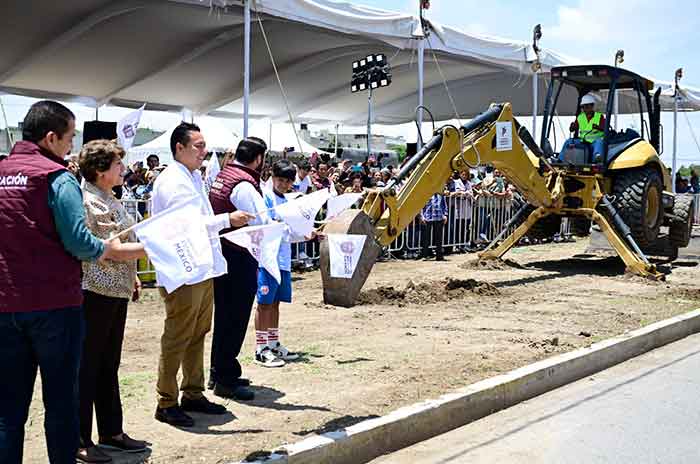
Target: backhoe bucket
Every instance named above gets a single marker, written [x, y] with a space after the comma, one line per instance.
[344, 292]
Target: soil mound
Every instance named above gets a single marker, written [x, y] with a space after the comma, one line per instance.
[692, 294]
[427, 292]
[491, 265]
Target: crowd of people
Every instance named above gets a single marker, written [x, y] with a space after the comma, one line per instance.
[691, 185]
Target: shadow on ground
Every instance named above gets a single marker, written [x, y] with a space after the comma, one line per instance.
[336, 424]
[266, 397]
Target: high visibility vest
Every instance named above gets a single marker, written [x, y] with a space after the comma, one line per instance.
[585, 127]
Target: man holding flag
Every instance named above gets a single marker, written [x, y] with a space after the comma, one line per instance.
[189, 306]
[236, 188]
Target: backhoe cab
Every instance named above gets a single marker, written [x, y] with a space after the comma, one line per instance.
[625, 191]
[634, 176]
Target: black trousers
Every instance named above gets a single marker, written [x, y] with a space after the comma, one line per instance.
[234, 294]
[436, 227]
[105, 318]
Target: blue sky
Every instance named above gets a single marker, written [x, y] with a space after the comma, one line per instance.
[657, 36]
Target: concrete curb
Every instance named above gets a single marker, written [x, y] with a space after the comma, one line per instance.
[367, 440]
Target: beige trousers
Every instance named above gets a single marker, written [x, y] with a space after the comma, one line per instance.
[188, 312]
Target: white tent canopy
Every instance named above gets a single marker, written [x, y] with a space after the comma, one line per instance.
[178, 54]
[218, 137]
[282, 137]
[175, 54]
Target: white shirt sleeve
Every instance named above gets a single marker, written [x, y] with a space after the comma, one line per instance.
[172, 191]
[245, 198]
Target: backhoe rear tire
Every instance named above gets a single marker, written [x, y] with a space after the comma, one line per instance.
[638, 201]
[681, 226]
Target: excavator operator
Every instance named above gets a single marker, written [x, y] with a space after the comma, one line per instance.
[590, 125]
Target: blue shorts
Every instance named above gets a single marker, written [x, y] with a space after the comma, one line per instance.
[269, 291]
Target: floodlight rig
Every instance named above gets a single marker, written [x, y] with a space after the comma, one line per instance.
[370, 73]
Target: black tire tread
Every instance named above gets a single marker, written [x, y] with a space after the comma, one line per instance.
[679, 231]
[629, 189]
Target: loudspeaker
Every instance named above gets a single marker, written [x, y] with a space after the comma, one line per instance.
[95, 130]
[411, 149]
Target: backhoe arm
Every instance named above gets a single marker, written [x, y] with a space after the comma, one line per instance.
[393, 208]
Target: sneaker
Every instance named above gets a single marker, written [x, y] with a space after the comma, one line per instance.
[483, 237]
[268, 359]
[303, 256]
[202, 405]
[174, 415]
[284, 354]
[125, 444]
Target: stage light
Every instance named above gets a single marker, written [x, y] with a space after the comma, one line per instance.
[369, 73]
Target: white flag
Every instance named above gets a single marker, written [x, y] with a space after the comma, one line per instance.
[177, 243]
[127, 126]
[299, 214]
[268, 185]
[344, 253]
[337, 205]
[263, 242]
[213, 170]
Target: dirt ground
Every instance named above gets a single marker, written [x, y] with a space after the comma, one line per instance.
[424, 329]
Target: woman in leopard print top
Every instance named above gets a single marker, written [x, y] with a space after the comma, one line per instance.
[107, 288]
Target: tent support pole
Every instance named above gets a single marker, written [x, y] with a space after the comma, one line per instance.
[421, 67]
[675, 138]
[246, 66]
[337, 127]
[369, 123]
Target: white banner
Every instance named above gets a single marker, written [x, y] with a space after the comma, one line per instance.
[127, 126]
[263, 242]
[504, 136]
[299, 214]
[178, 245]
[213, 170]
[337, 205]
[344, 253]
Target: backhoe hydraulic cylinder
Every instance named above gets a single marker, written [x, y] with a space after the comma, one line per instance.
[622, 227]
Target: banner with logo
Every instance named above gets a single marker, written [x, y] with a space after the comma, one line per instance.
[263, 242]
[337, 205]
[344, 253]
[213, 170]
[127, 126]
[299, 214]
[177, 243]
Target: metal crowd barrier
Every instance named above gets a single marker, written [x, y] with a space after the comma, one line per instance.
[469, 221]
[696, 210]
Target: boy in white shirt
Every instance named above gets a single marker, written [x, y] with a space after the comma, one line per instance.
[269, 352]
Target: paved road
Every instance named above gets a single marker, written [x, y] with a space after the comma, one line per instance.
[646, 410]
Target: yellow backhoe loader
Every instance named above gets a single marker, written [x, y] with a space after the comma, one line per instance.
[625, 190]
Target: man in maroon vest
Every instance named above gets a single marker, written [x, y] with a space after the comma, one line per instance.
[42, 223]
[237, 187]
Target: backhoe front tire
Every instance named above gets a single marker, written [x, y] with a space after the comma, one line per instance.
[638, 201]
[681, 226]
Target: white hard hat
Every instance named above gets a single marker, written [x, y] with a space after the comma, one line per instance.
[588, 99]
